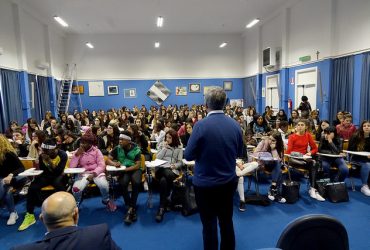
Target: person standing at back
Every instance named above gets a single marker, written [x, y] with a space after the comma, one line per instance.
[215, 144]
[305, 106]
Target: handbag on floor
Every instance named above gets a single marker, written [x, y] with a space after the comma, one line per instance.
[189, 206]
[290, 191]
[321, 186]
[337, 192]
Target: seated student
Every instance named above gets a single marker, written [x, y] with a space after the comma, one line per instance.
[158, 134]
[111, 138]
[274, 145]
[360, 141]
[140, 140]
[281, 115]
[20, 144]
[283, 129]
[330, 143]
[52, 161]
[320, 131]
[128, 154]
[60, 214]
[299, 142]
[168, 172]
[188, 132]
[70, 142]
[91, 159]
[50, 130]
[13, 125]
[241, 170]
[338, 118]
[294, 118]
[38, 137]
[32, 126]
[346, 129]
[260, 126]
[10, 167]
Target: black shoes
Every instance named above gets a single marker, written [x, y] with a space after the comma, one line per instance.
[274, 195]
[160, 214]
[242, 206]
[130, 216]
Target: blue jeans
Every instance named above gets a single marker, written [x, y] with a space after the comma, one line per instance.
[7, 196]
[327, 162]
[275, 167]
[365, 170]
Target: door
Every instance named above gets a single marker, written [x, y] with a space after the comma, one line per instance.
[306, 84]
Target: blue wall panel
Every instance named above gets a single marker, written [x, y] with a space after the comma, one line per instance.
[142, 86]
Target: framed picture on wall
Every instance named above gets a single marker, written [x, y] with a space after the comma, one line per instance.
[113, 90]
[77, 89]
[129, 93]
[228, 85]
[194, 87]
[181, 91]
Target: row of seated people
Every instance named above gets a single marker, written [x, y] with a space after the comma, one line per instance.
[359, 143]
[301, 141]
[53, 161]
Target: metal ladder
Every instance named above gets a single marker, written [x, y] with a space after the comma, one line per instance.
[65, 91]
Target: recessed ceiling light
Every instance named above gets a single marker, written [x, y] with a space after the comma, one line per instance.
[61, 21]
[251, 24]
[159, 22]
[88, 44]
[223, 45]
[157, 44]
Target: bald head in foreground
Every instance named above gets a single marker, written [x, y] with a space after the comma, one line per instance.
[59, 214]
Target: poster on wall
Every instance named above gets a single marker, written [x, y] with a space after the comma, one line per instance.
[158, 92]
[237, 103]
[129, 93]
[181, 91]
[96, 88]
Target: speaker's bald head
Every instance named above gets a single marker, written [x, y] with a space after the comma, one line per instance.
[59, 210]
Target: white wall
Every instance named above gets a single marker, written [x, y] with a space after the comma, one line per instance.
[309, 30]
[332, 27]
[34, 40]
[134, 56]
[57, 47]
[251, 53]
[7, 36]
[25, 40]
[352, 31]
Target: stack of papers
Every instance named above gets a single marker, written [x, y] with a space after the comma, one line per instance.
[114, 168]
[155, 163]
[31, 172]
[74, 170]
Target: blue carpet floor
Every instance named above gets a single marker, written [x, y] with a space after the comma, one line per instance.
[258, 227]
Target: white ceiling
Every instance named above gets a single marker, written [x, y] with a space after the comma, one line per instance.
[139, 16]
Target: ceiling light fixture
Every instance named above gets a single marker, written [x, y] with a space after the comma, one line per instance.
[223, 45]
[61, 21]
[251, 24]
[157, 44]
[159, 22]
[88, 44]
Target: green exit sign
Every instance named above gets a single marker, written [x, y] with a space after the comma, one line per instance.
[305, 58]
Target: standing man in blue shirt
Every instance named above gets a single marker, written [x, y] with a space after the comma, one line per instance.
[215, 144]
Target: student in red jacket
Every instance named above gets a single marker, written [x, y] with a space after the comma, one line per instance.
[299, 142]
[346, 129]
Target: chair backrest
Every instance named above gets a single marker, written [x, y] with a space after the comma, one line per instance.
[314, 232]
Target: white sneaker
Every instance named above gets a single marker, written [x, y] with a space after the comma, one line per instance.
[12, 218]
[146, 187]
[365, 190]
[319, 197]
[312, 193]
